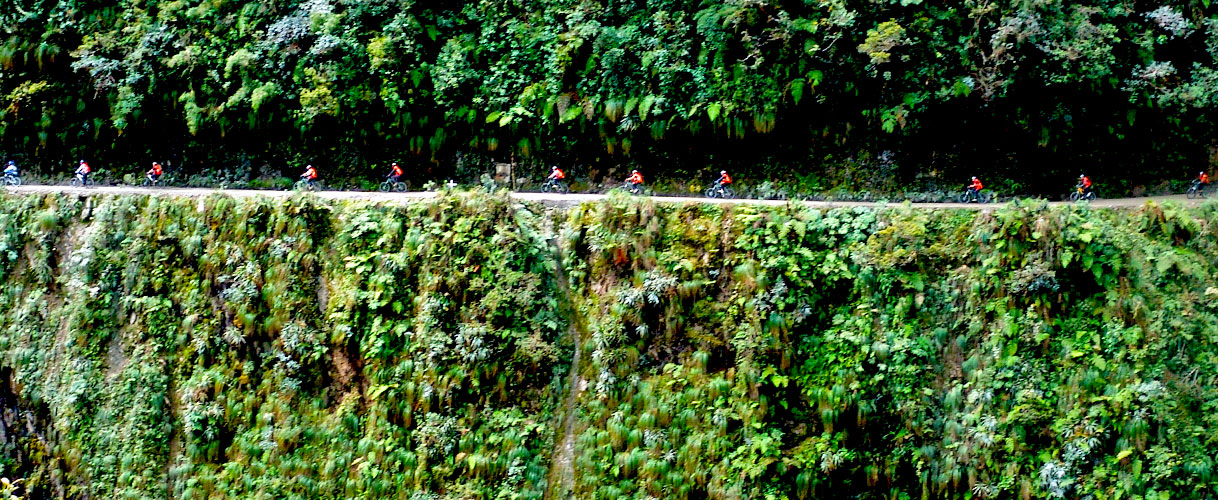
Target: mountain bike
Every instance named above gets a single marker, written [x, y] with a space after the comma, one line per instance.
[720, 191]
[12, 180]
[81, 181]
[306, 185]
[392, 185]
[1081, 194]
[150, 181]
[632, 188]
[552, 185]
[1195, 189]
[974, 196]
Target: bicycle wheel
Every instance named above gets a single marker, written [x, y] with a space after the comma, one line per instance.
[399, 187]
[1192, 192]
[964, 197]
[1090, 196]
[545, 188]
[1074, 196]
[985, 198]
[728, 193]
[712, 193]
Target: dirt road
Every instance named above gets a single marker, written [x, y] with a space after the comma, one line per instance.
[544, 198]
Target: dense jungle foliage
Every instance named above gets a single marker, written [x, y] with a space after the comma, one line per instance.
[816, 94]
[221, 348]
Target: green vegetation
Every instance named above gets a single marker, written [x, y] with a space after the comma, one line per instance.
[1037, 352]
[882, 95]
[215, 348]
[252, 350]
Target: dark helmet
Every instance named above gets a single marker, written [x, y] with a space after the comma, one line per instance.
[11, 162]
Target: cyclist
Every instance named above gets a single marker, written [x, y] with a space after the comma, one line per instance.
[1085, 183]
[10, 170]
[154, 173]
[554, 181]
[82, 172]
[395, 174]
[724, 179]
[1202, 179]
[309, 175]
[635, 179]
[975, 187]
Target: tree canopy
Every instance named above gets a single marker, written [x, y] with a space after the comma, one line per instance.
[828, 92]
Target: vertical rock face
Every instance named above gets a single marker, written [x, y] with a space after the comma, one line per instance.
[466, 347]
[173, 348]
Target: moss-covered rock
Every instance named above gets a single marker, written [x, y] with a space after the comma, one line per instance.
[219, 348]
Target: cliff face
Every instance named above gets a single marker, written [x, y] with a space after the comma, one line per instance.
[467, 347]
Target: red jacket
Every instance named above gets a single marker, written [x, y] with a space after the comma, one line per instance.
[635, 178]
[310, 174]
[397, 171]
[558, 174]
[977, 185]
[1086, 181]
[725, 179]
[156, 169]
[1205, 178]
